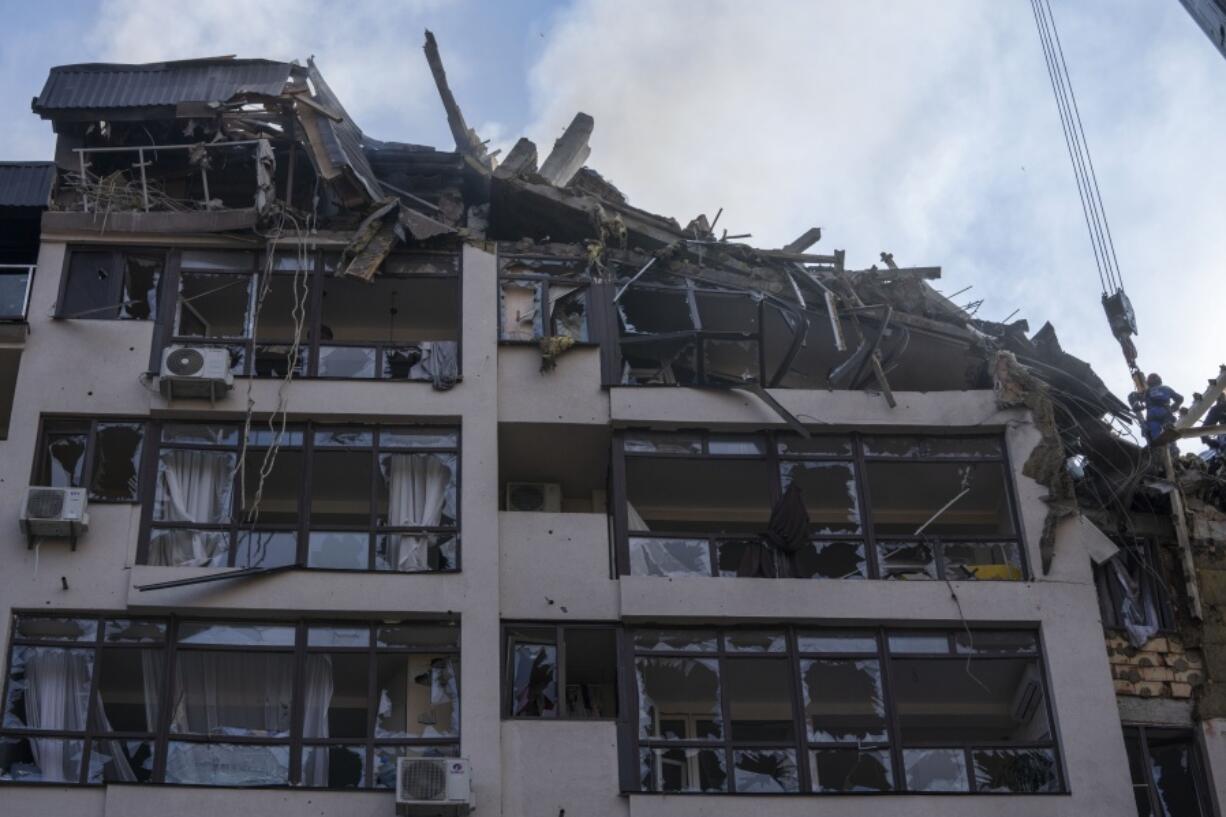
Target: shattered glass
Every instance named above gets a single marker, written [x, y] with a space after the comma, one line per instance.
[820, 445]
[327, 636]
[71, 668]
[765, 771]
[66, 459]
[918, 642]
[533, 666]
[128, 691]
[265, 548]
[755, 641]
[1020, 771]
[678, 770]
[986, 561]
[675, 640]
[851, 770]
[418, 696]
[47, 628]
[727, 312]
[19, 760]
[117, 449]
[334, 767]
[657, 442]
[906, 560]
[568, 312]
[932, 447]
[1174, 775]
[226, 764]
[273, 360]
[844, 701]
[177, 466]
[666, 362]
[199, 434]
[654, 311]
[338, 550]
[355, 362]
[759, 695]
[120, 630]
[236, 633]
[669, 557]
[935, 769]
[829, 493]
[939, 498]
[521, 311]
[831, 560]
[730, 361]
[213, 305]
[679, 698]
[121, 761]
[735, 444]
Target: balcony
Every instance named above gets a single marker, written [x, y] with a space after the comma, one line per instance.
[15, 281]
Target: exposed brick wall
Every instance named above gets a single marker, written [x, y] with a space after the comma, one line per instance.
[1163, 668]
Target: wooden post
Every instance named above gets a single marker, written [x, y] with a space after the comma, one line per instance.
[1181, 535]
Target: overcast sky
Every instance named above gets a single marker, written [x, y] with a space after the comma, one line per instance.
[923, 127]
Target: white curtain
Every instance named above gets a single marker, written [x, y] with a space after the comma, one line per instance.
[417, 487]
[57, 698]
[193, 486]
[1138, 613]
[317, 698]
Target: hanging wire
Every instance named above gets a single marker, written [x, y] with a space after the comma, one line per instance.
[1088, 191]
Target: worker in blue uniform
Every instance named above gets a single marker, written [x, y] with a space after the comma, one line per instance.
[1216, 417]
[1160, 403]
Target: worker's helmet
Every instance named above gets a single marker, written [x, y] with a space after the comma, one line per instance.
[1153, 380]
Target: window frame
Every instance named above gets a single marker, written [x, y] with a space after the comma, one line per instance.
[542, 282]
[236, 525]
[1197, 760]
[858, 458]
[1155, 575]
[630, 743]
[90, 423]
[559, 643]
[162, 736]
[118, 254]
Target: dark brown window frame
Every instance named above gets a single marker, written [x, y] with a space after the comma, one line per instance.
[89, 424]
[1143, 733]
[117, 251]
[559, 629]
[858, 458]
[311, 341]
[235, 525]
[162, 736]
[630, 743]
[542, 283]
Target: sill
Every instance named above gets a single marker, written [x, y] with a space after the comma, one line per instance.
[533, 344]
[525, 719]
[825, 794]
[206, 570]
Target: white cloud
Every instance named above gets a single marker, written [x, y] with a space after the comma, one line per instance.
[926, 129]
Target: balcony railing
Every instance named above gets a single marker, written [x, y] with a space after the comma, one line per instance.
[15, 281]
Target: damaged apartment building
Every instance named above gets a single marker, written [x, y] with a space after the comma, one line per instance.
[346, 476]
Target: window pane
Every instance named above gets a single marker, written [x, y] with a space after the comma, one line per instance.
[334, 767]
[521, 310]
[40, 760]
[419, 696]
[416, 553]
[755, 641]
[232, 693]
[673, 770]
[1017, 771]
[675, 641]
[193, 486]
[256, 635]
[418, 636]
[121, 761]
[727, 313]
[200, 434]
[134, 631]
[831, 560]
[591, 672]
[951, 701]
[346, 361]
[819, 444]
[65, 460]
[417, 438]
[386, 757]
[129, 690]
[226, 764]
[217, 260]
[286, 302]
[934, 447]
[662, 362]
[340, 488]
[49, 628]
[906, 560]
[918, 642]
[417, 490]
[568, 312]
[730, 361]
[843, 701]
[699, 496]
[851, 770]
[1175, 776]
[652, 311]
[48, 688]
[829, 493]
[669, 557]
[272, 499]
[759, 699]
[277, 359]
[935, 769]
[996, 641]
[213, 306]
[765, 771]
[835, 641]
[265, 548]
[679, 698]
[117, 448]
[532, 661]
[336, 691]
[185, 547]
[910, 497]
[91, 287]
[338, 636]
[344, 438]
[13, 293]
[389, 310]
[338, 550]
[735, 444]
[662, 443]
[982, 560]
[140, 286]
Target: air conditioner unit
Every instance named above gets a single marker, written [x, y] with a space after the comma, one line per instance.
[534, 496]
[433, 785]
[58, 513]
[195, 371]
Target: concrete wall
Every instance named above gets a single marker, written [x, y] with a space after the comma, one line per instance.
[536, 566]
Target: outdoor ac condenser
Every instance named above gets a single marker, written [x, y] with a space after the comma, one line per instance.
[57, 513]
[545, 497]
[195, 371]
[433, 785]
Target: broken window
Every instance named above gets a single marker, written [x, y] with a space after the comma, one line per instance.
[15, 291]
[403, 325]
[246, 698]
[543, 297]
[1168, 772]
[111, 284]
[109, 452]
[560, 672]
[374, 498]
[717, 711]
[1136, 590]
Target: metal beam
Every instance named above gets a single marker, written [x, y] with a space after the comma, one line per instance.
[1198, 409]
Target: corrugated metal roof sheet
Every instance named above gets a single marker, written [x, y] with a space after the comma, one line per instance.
[108, 85]
[26, 184]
